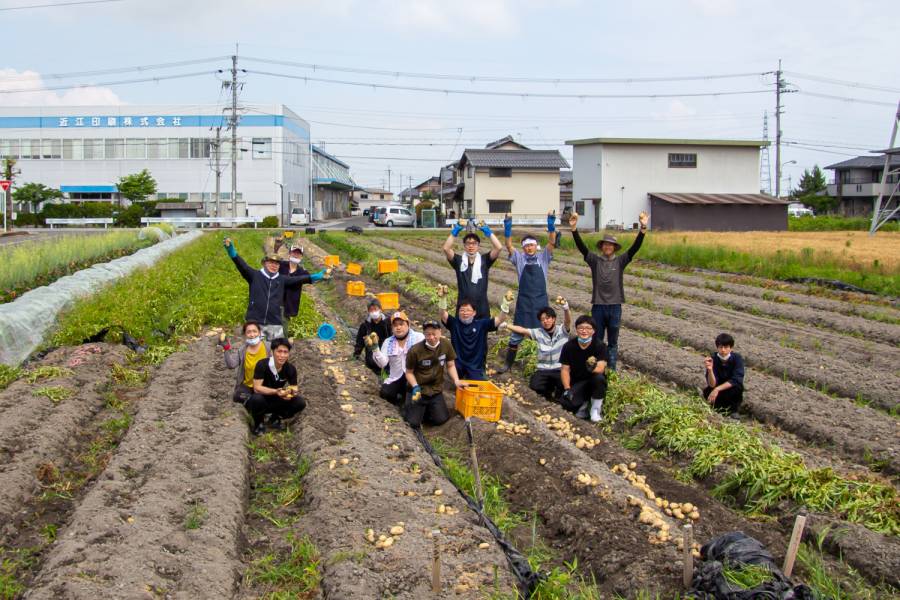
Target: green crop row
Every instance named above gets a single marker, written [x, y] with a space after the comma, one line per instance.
[33, 264]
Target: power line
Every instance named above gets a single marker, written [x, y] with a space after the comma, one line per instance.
[58, 4]
[503, 93]
[845, 98]
[500, 79]
[844, 82]
[107, 83]
[113, 71]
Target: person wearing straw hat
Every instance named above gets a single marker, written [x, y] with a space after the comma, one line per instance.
[392, 355]
[371, 334]
[472, 267]
[608, 275]
[532, 264]
[266, 289]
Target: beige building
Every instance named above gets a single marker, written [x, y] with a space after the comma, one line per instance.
[507, 177]
[364, 198]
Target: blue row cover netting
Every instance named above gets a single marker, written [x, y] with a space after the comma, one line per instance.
[26, 321]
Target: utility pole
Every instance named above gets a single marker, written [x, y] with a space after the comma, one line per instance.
[781, 87]
[217, 147]
[879, 218]
[389, 178]
[234, 140]
[765, 169]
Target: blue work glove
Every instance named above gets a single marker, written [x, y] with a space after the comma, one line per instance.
[551, 223]
[507, 226]
[230, 249]
[317, 276]
[486, 231]
[416, 394]
[456, 229]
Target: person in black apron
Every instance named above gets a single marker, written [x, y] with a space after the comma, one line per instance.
[532, 264]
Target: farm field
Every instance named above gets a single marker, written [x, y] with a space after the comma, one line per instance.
[134, 475]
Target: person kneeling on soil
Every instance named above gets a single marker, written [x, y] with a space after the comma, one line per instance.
[275, 390]
[371, 334]
[724, 376]
[550, 339]
[253, 350]
[583, 371]
[392, 355]
[469, 335]
[425, 366]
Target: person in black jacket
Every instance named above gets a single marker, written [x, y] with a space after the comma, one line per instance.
[292, 267]
[375, 323]
[608, 274]
[266, 293]
[724, 376]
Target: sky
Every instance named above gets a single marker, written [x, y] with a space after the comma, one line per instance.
[845, 50]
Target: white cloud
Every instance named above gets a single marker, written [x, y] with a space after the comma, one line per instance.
[34, 92]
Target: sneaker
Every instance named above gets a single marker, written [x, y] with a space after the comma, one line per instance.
[259, 429]
[275, 423]
[596, 410]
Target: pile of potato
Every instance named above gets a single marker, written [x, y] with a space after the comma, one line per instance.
[564, 429]
[385, 541]
[509, 389]
[681, 511]
[587, 479]
[446, 509]
[347, 408]
[661, 534]
[512, 428]
[336, 374]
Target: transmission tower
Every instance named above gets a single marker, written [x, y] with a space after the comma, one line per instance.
[765, 169]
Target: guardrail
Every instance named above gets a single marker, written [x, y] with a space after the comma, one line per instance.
[202, 220]
[106, 222]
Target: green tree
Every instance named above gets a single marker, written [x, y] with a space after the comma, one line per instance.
[34, 194]
[137, 186]
[812, 189]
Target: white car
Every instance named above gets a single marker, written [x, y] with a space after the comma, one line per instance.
[299, 216]
[798, 210]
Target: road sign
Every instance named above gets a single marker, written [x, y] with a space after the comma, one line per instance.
[4, 184]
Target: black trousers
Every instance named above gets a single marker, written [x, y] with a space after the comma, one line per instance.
[394, 392]
[585, 390]
[242, 393]
[727, 401]
[432, 410]
[259, 406]
[547, 383]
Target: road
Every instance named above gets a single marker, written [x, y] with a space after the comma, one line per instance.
[34, 235]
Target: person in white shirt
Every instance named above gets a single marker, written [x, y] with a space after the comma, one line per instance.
[392, 355]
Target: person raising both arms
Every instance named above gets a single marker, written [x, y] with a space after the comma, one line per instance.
[608, 276]
[472, 267]
[532, 264]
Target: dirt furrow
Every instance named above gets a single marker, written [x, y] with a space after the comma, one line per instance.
[165, 518]
[859, 433]
[849, 380]
[36, 431]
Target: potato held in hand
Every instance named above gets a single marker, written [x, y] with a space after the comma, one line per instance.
[591, 363]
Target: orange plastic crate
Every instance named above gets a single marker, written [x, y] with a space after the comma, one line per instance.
[388, 266]
[356, 288]
[389, 300]
[480, 399]
[332, 260]
[354, 268]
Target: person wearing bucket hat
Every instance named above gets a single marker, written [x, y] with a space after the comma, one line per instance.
[371, 334]
[532, 265]
[266, 289]
[608, 276]
[392, 354]
[472, 267]
[293, 266]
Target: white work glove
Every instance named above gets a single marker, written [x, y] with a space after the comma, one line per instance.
[508, 297]
[442, 292]
[563, 303]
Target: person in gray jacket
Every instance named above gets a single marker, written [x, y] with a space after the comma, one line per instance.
[608, 275]
[244, 359]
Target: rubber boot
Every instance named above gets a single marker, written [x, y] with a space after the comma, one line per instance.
[511, 352]
[583, 411]
[596, 410]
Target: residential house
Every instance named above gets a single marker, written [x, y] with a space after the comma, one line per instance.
[365, 198]
[684, 184]
[857, 181]
[332, 184]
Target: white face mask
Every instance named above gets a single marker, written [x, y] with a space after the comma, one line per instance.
[375, 315]
[254, 341]
[725, 357]
[296, 261]
[436, 344]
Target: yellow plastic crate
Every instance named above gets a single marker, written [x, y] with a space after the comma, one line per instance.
[388, 266]
[332, 260]
[389, 300]
[480, 399]
[354, 268]
[356, 288]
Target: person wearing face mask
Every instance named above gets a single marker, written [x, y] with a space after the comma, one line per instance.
[583, 371]
[253, 350]
[376, 323]
[532, 264]
[292, 267]
[724, 376]
[550, 338]
[274, 389]
[608, 275]
[425, 365]
[392, 355]
[266, 289]
[469, 335]
[472, 268]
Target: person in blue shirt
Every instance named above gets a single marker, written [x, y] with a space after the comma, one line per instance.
[468, 335]
[724, 375]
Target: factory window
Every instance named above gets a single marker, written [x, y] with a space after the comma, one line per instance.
[9, 148]
[31, 148]
[262, 148]
[115, 148]
[179, 148]
[51, 149]
[682, 161]
[93, 149]
[199, 148]
[136, 148]
[500, 206]
[157, 148]
[72, 150]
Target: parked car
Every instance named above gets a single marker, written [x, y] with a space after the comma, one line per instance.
[796, 209]
[365, 212]
[299, 216]
[395, 216]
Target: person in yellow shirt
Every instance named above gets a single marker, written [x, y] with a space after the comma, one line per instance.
[244, 359]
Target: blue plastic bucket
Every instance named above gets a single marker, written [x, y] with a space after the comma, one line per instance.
[326, 331]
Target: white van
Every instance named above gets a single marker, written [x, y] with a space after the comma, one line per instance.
[299, 216]
[796, 209]
[391, 216]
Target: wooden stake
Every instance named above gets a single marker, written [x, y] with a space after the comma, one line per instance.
[436, 563]
[794, 546]
[688, 557]
[474, 457]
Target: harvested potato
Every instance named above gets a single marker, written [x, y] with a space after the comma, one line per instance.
[397, 530]
[484, 545]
